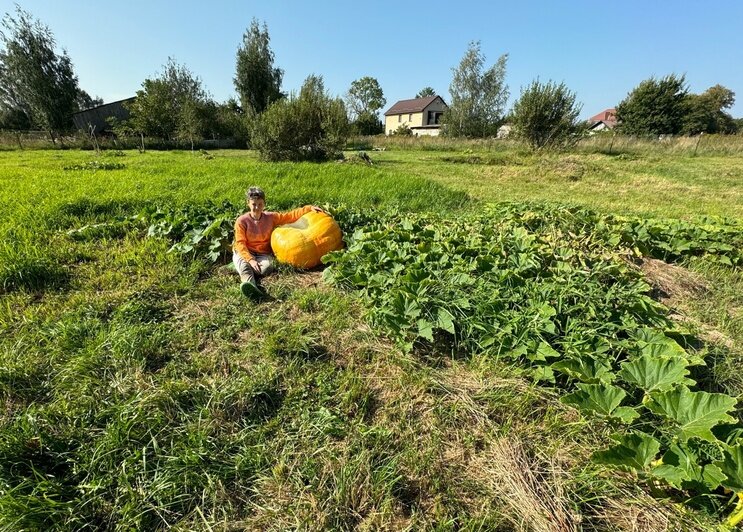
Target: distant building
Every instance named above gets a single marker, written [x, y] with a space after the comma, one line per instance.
[606, 119]
[98, 116]
[421, 115]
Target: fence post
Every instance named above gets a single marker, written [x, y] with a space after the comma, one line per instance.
[698, 141]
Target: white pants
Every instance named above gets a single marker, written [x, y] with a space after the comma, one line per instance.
[246, 271]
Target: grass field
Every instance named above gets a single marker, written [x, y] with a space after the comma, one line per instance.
[140, 391]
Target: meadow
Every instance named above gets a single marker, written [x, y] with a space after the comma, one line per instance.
[433, 377]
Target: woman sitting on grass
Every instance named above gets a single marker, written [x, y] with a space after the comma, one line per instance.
[252, 253]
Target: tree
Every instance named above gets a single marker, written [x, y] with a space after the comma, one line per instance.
[34, 79]
[546, 116]
[426, 91]
[257, 81]
[655, 107]
[84, 101]
[704, 112]
[365, 96]
[365, 99]
[168, 106]
[478, 96]
[310, 127]
[368, 124]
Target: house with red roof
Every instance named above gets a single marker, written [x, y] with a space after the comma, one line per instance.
[606, 119]
[421, 115]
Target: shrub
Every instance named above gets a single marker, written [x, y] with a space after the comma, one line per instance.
[404, 131]
[546, 116]
[310, 127]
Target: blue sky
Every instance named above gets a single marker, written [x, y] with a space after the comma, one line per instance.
[600, 49]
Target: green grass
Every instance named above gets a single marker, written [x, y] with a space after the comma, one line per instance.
[139, 390]
[668, 185]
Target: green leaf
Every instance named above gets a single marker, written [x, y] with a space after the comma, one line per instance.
[586, 369]
[633, 451]
[681, 467]
[625, 414]
[650, 373]
[425, 329]
[445, 321]
[543, 373]
[694, 412]
[732, 467]
[600, 399]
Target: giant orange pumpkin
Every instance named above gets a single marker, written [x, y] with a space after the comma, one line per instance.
[303, 243]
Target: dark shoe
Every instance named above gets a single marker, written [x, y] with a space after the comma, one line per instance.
[251, 290]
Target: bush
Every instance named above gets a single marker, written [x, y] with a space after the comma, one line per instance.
[546, 116]
[404, 131]
[368, 124]
[310, 127]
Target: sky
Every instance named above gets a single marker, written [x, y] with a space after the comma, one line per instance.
[600, 49]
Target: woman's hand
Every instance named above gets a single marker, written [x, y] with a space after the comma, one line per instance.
[315, 208]
[254, 264]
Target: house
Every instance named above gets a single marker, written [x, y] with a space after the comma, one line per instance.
[97, 117]
[606, 119]
[421, 115]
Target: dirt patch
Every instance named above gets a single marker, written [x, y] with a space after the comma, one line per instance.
[672, 285]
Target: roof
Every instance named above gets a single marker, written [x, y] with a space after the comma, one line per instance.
[607, 116]
[131, 98]
[416, 105]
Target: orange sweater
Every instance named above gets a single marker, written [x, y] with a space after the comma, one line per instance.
[253, 237]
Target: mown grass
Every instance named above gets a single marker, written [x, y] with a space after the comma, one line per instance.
[139, 390]
[665, 185]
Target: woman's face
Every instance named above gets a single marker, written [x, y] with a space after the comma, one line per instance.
[256, 206]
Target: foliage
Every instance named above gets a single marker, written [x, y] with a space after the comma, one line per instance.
[171, 105]
[546, 116]
[426, 91]
[229, 120]
[257, 81]
[403, 130]
[367, 124]
[34, 79]
[654, 107]
[705, 112]
[478, 96]
[204, 231]
[85, 101]
[365, 97]
[15, 119]
[530, 286]
[310, 127]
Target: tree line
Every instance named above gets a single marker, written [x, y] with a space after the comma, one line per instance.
[38, 89]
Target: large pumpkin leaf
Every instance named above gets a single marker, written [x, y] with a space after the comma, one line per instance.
[585, 369]
[602, 399]
[681, 467]
[695, 413]
[732, 467]
[633, 451]
[653, 373]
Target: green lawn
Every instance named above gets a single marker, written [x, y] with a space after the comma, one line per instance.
[140, 391]
[656, 185]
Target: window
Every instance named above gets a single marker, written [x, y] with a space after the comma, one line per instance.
[434, 117]
[399, 118]
[410, 118]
